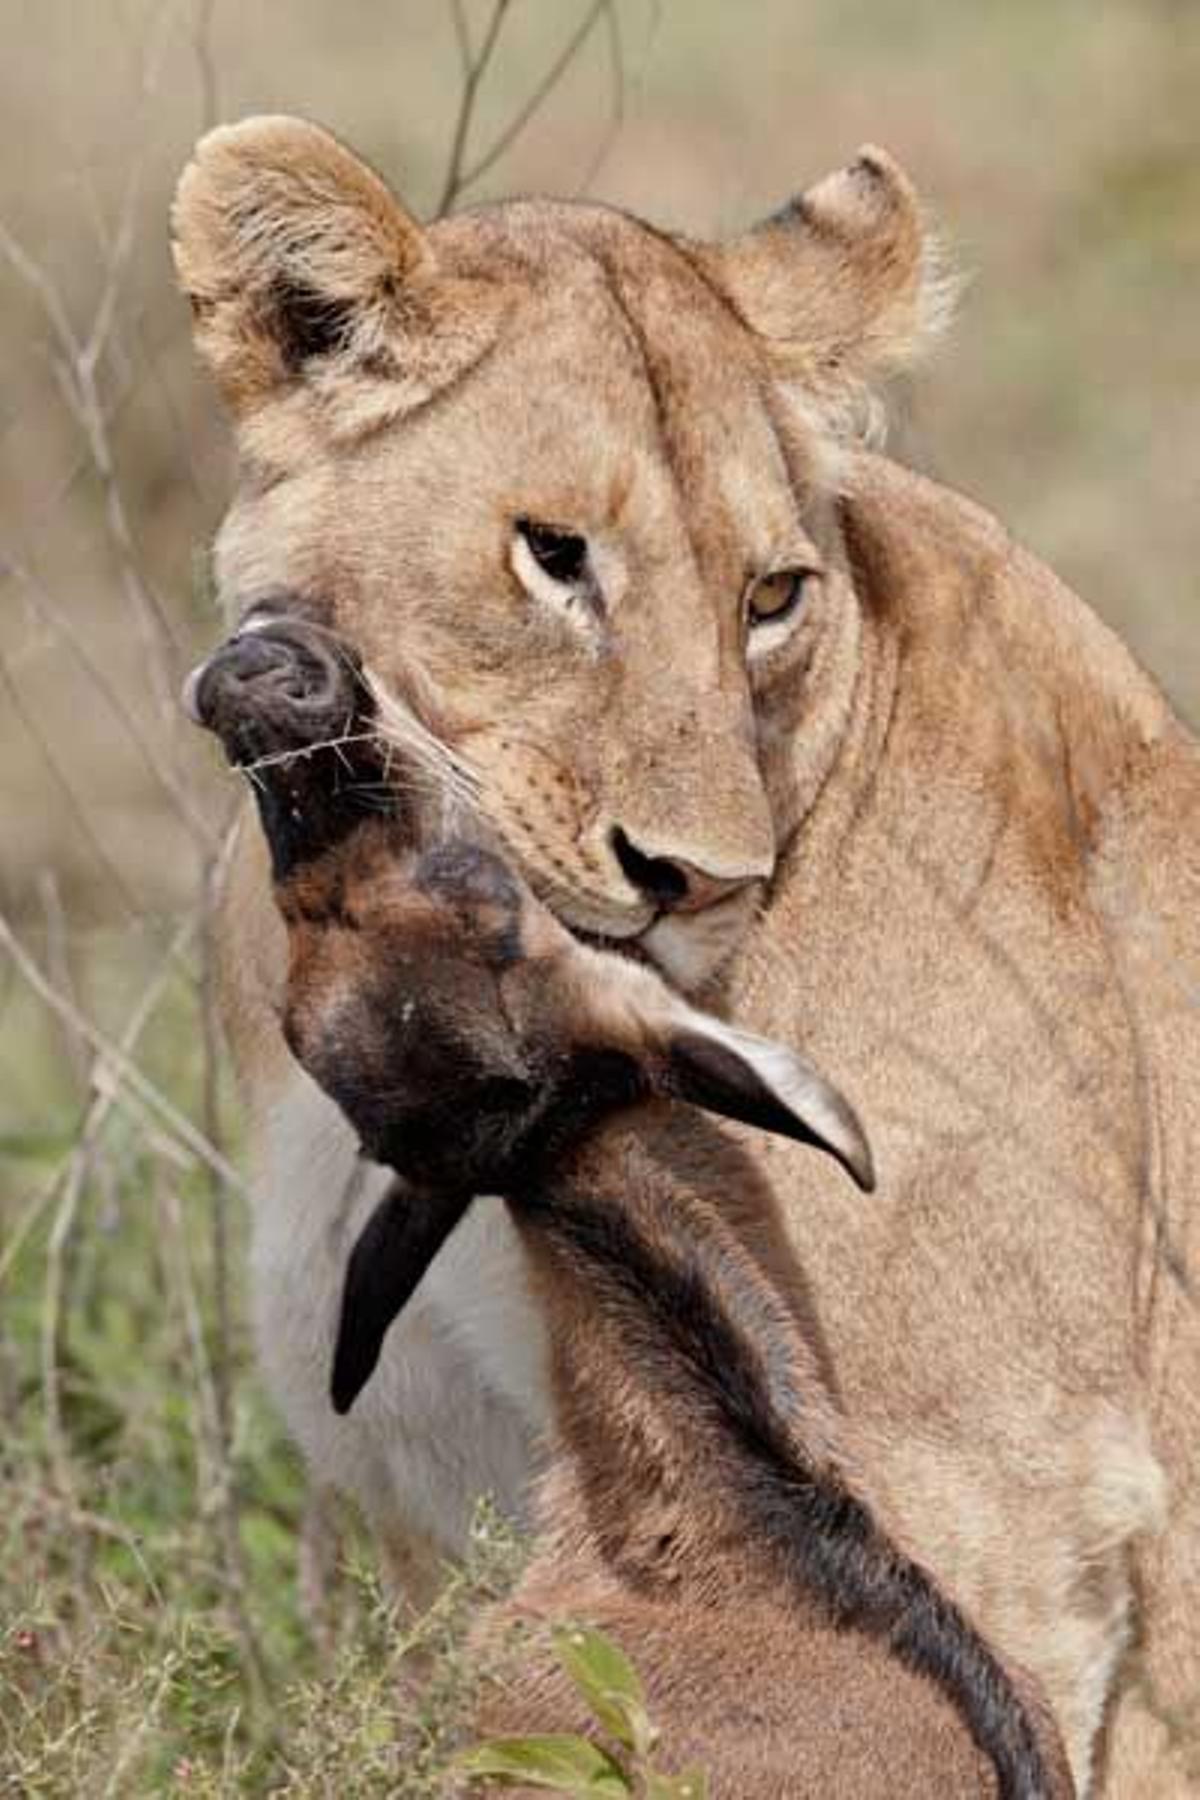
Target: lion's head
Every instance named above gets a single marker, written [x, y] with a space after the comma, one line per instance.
[584, 473]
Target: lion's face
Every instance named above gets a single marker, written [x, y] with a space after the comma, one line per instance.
[565, 465]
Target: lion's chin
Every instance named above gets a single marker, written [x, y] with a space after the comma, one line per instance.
[690, 949]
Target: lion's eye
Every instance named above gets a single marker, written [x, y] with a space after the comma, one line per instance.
[562, 555]
[776, 597]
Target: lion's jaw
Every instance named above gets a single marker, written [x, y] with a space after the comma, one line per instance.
[692, 951]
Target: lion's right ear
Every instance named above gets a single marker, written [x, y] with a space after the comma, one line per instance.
[846, 283]
[302, 267]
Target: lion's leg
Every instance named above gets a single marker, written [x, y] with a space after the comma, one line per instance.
[1152, 1750]
[1153, 1746]
[1146, 1758]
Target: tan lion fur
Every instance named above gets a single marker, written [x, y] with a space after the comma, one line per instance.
[966, 822]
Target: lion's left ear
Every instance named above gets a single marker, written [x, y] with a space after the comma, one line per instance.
[845, 281]
[306, 275]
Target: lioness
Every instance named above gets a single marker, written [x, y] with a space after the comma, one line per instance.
[704, 1503]
[793, 723]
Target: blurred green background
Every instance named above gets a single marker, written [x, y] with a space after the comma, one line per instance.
[149, 1506]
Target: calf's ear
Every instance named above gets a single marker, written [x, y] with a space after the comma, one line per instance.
[394, 1249]
[303, 268]
[757, 1082]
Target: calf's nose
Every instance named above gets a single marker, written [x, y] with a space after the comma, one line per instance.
[280, 677]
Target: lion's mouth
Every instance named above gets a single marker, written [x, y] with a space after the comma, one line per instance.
[688, 949]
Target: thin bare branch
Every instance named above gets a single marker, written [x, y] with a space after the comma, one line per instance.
[619, 98]
[40, 284]
[474, 72]
[70, 800]
[462, 35]
[54, 1290]
[44, 603]
[168, 1115]
[77, 374]
[219, 1192]
[206, 67]
[212, 1447]
[58, 967]
[105, 1088]
[506, 138]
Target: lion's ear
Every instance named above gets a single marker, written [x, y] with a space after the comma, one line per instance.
[302, 266]
[844, 282]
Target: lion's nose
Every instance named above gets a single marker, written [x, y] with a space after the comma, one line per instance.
[672, 883]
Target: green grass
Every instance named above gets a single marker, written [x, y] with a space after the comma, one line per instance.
[152, 1637]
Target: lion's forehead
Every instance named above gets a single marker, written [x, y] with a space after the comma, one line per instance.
[625, 361]
[622, 394]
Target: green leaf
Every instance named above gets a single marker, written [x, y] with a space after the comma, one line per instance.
[692, 1785]
[608, 1682]
[567, 1765]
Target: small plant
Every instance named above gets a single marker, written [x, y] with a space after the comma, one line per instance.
[567, 1763]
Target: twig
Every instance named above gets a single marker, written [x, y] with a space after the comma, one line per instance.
[218, 1189]
[81, 1518]
[48, 608]
[77, 371]
[72, 1184]
[474, 70]
[210, 107]
[58, 967]
[505, 139]
[127, 1754]
[619, 102]
[52, 1345]
[70, 800]
[220, 1501]
[462, 34]
[168, 1115]
[105, 1090]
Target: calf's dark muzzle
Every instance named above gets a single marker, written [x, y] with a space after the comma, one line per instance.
[277, 684]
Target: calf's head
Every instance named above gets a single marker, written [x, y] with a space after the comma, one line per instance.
[466, 1035]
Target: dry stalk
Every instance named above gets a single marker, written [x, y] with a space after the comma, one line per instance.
[215, 1477]
[461, 174]
[68, 1184]
[508, 135]
[56, 617]
[104, 1086]
[475, 64]
[168, 1115]
[58, 968]
[63, 786]
[219, 1190]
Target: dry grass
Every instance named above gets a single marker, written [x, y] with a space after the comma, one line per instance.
[151, 1635]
